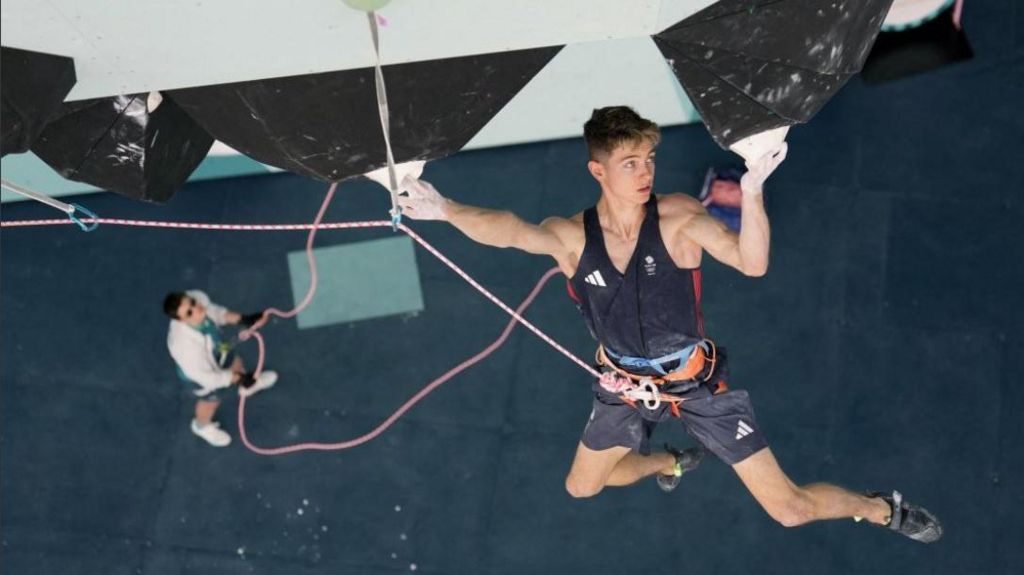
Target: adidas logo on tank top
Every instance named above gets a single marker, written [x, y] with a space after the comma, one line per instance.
[596, 279]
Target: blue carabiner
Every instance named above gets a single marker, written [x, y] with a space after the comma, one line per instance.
[396, 219]
[85, 227]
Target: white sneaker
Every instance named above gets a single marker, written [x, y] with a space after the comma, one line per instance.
[212, 433]
[266, 380]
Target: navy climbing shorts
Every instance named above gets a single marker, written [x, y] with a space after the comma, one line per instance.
[617, 425]
[722, 423]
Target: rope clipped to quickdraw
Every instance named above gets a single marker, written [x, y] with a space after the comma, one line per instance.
[68, 209]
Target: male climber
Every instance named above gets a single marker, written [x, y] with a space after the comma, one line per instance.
[633, 262]
[205, 362]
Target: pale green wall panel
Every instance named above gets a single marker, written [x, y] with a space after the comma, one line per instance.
[358, 281]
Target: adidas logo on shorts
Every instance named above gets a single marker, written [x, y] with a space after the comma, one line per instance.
[743, 430]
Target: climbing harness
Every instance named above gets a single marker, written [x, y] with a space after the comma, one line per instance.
[697, 355]
[697, 369]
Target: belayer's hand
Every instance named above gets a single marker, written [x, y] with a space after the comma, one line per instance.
[245, 379]
[420, 201]
[759, 170]
[249, 319]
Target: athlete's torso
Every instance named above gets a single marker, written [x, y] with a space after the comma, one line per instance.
[649, 310]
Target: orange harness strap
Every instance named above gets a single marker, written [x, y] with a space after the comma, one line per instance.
[694, 365]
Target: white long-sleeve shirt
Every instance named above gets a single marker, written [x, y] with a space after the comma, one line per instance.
[193, 350]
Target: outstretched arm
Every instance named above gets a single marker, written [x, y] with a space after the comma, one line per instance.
[748, 251]
[496, 228]
[247, 320]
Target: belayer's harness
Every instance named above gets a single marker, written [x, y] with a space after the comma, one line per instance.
[701, 359]
[222, 350]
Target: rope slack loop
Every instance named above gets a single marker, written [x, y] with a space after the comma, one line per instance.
[408, 403]
[253, 330]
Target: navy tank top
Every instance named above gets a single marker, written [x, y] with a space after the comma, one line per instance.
[650, 311]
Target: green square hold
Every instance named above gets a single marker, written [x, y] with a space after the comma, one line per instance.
[358, 281]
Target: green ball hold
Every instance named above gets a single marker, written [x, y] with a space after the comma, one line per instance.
[367, 5]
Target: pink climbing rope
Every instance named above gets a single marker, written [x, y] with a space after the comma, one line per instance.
[405, 406]
[253, 330]
[958, 11]
[202, 226]
[498, 302]
[313, 228]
